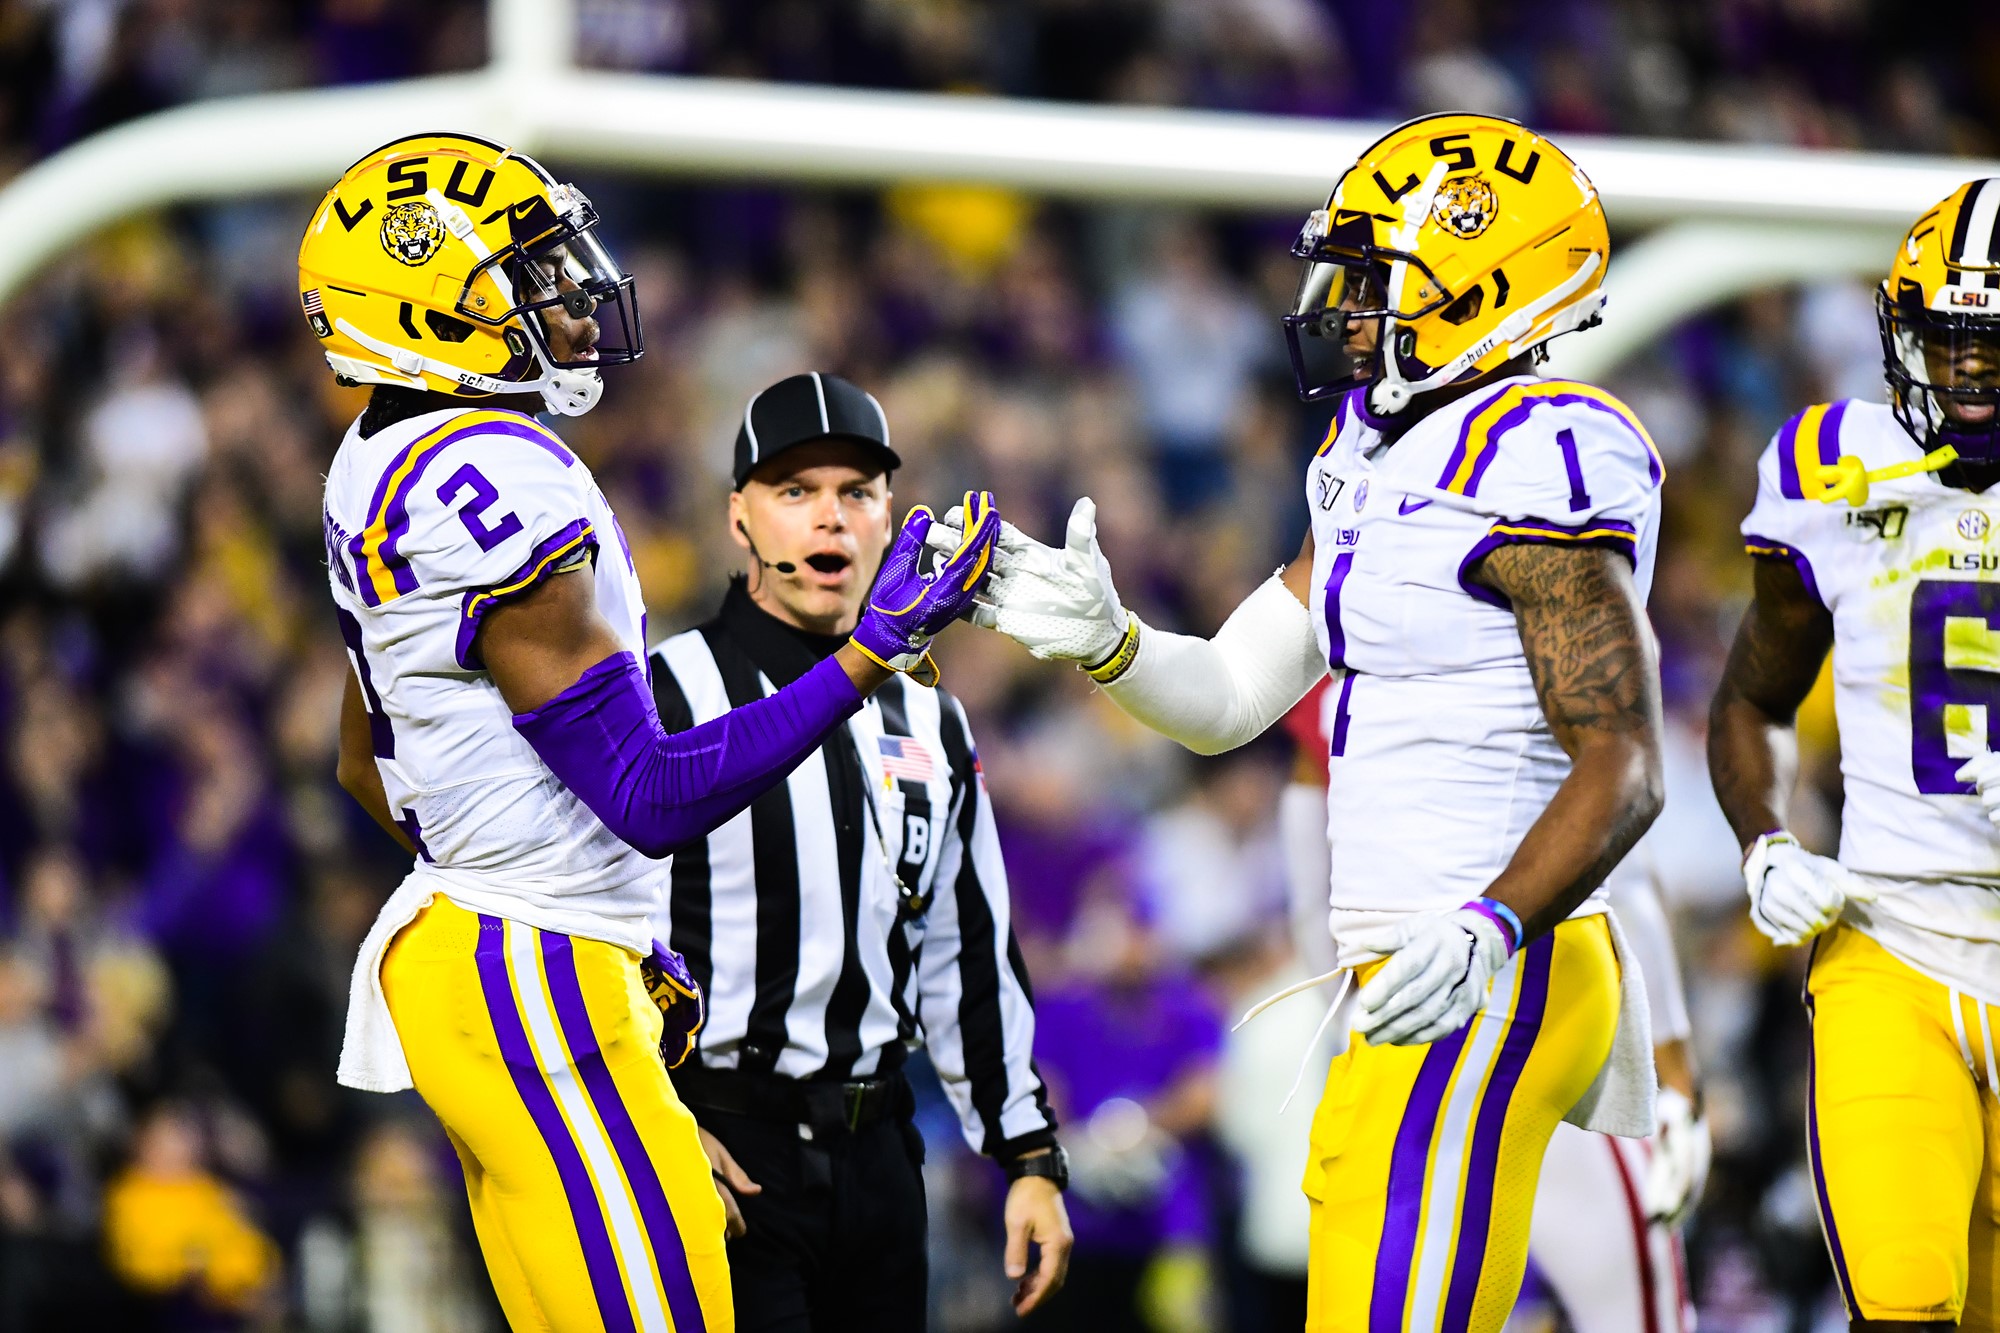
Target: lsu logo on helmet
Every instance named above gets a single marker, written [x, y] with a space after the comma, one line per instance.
[1465, 206]
[440, 261]
[1939, 316]
[1442, 231]
[411, 233]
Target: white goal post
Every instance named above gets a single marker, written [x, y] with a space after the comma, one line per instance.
[1712, 221]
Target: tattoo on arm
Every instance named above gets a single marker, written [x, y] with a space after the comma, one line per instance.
[1585, 637]
[1777, 655]
[1591, 656]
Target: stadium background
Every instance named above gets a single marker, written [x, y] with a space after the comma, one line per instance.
[182, 886]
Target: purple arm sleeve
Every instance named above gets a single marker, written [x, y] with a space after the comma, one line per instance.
[603, 738]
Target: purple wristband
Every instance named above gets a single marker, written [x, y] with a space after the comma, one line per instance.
[602, 737]
[1502, 916]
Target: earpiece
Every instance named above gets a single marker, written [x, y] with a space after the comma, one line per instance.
[782, 566]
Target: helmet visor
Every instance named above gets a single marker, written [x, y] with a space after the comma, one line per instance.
[566, 290]
[1946, 369]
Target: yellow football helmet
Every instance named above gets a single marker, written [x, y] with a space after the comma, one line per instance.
[1939, 312]
[427, 266]
[1470, 238]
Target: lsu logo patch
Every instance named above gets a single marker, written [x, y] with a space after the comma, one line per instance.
[412, 233]
[1465, 206]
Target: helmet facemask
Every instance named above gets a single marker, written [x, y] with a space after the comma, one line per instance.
[555, 261]
[1943, 370]
[1349, 279]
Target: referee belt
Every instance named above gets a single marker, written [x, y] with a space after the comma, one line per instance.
[821, 1103]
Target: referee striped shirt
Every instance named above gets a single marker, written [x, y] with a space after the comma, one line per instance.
[815, 963]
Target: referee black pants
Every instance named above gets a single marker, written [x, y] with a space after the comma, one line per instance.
[836, 1240]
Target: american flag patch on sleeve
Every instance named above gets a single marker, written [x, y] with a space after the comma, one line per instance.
[906, 759]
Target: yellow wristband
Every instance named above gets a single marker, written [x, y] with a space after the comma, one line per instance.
[1116, 665]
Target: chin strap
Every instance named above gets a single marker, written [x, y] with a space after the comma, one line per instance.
[1846, 478]
[1393, 393]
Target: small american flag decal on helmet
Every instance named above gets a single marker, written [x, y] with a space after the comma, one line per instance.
[315, 311]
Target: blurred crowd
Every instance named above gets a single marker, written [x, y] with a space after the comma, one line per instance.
[182, 886]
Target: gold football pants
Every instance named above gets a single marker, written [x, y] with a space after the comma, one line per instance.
[1424, 1159]
[589, 1189]
[1903, 1127]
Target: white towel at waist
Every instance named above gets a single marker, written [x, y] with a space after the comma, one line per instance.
[1620, 1099]
[371, 1054]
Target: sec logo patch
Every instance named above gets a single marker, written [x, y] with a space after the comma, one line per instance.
[1973, 525]
[1361, 496]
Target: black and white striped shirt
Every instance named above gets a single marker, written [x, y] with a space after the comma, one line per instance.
[791, 917]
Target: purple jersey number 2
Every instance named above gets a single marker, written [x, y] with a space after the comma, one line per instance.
[473, 515]
[1936, 684]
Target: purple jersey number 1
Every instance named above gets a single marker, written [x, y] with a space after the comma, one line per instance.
[1936, 684]
[474, 513]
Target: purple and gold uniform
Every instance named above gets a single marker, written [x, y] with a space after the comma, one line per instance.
[1425, 1158]
[502, 980]
[1904, 1120]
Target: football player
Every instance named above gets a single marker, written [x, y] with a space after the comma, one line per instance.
[498, 723]
[1873, 539]
[1475, 575]
[1606, 1236]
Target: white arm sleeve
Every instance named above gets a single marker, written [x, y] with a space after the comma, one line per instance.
[1308, 872]
[1215, 694]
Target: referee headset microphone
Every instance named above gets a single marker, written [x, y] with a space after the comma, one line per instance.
[782, 566]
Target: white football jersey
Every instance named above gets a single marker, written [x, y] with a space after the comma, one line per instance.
[428, 523]
[1912, 581]
[1440, 755]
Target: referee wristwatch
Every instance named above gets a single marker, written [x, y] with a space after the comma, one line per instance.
[1051, 1165]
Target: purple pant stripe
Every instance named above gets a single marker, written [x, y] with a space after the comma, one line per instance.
[1396, 1257]
[585, 1211]
[664, 1237]
[1483, 1163]
[1819, 1184]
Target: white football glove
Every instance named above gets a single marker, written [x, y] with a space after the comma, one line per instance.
[1983, 772]
[1059, 604]
[1440, 967]
[1794, 895]
[1678, 1171]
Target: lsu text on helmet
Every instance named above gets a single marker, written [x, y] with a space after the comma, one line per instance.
[1939, 312]
[1471, 239]
[431, 262]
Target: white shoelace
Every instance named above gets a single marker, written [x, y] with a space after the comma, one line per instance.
[1346, 976]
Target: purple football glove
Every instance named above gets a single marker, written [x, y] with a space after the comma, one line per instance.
[906, 609]
[675, 990]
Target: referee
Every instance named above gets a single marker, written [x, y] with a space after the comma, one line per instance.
[856, 910]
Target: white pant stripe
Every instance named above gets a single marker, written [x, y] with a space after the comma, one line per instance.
[539, 1017]
[1447, 1173]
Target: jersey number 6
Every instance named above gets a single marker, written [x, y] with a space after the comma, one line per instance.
[473, 515]
[1954, 680]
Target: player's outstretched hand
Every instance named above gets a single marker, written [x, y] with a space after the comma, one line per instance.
[1983, 772]
[1439, 969]
[1678, 1168]
[1794, 895]
[1058, 603]
[907, 607]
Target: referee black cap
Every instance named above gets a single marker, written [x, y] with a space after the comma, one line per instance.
[814, 406]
